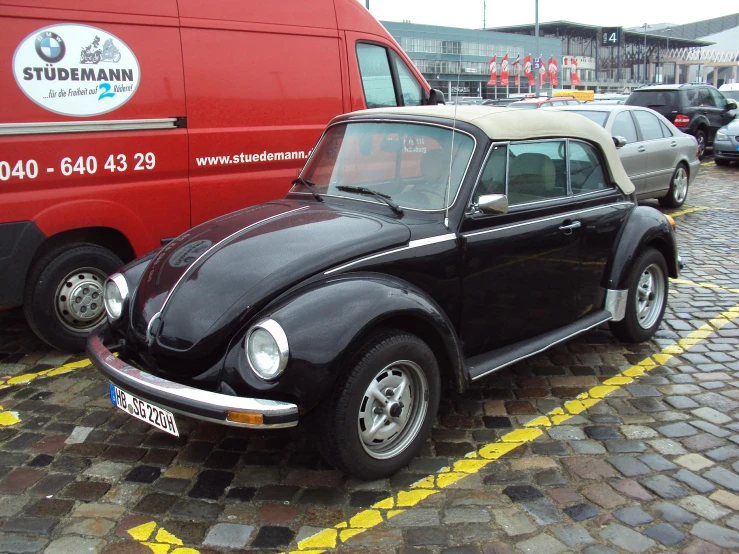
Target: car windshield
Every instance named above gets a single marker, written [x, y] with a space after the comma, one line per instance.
[523, 106]
[408, 162]
[598, 117]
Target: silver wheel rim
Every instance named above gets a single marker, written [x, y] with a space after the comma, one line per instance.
[79, 299]
[680, 184]
[650, 296]
[701, 145]
[393, 409]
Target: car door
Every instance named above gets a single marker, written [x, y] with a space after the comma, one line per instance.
[713, 113]
[724, 115]
[634, 153]
[660, 153]
[520, 268]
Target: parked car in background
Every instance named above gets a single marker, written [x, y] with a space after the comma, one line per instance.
[726, 145]
[543, 102]
[730, 91]
[419, 248]
[101, 163]
[661, 161]
[698, 110]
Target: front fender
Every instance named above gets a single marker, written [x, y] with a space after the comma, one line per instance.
[645, 227]
[326, 322]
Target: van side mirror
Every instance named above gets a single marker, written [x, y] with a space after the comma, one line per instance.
[620, 142]
[435, 97]
[493, 204]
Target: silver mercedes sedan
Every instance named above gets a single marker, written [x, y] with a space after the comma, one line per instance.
[660, 160]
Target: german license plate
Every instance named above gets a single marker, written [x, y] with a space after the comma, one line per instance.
[143, 410]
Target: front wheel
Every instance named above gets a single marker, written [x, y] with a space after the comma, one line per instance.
[647, 298]
[64, 293]
[678, 192]
[382, 410]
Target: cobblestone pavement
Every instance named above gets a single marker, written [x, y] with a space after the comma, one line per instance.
[652, 467]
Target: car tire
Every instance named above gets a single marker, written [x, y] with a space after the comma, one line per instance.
[63, 299]
[678, 192]
[700, 136]
[721, 162]
[647, 298]
[366, 398]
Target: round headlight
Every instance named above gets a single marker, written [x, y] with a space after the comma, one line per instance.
[115, 296]
[267, 349]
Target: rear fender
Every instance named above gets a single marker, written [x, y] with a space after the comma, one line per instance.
[327, 321]
[645, 227]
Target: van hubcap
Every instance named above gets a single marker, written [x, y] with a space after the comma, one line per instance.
[79, 299]
[393, 409]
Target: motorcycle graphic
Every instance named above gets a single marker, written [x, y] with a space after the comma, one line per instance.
[94, 54]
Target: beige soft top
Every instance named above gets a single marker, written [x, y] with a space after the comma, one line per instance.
[510, 124]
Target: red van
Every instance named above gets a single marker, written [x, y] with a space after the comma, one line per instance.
[123, 124]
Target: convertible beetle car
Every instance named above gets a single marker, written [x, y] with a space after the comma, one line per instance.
[419, 248]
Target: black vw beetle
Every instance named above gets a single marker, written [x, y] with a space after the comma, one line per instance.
[419, 248]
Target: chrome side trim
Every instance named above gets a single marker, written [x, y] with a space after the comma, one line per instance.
[189, 270]
[568, 337]
[87, 126]
[412, 244]
[616, 303]
[549, 218]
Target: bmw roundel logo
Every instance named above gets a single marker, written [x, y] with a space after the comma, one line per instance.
[50, 47]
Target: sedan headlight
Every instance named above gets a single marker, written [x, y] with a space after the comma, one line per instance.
[267, 349]
[721, 136]
[115, 296]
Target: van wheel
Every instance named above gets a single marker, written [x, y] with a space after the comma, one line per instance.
[63, 300]
[647, 298]
[678, 192]
[382, 409]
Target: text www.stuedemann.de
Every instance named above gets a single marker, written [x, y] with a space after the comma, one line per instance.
[251, 158]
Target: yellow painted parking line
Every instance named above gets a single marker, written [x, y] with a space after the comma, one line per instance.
[159, 542]
[8, 418]
[704, 285]
[404, 500]
[689, 211]
[53, 372]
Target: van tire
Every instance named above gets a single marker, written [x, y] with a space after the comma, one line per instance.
[77, 267]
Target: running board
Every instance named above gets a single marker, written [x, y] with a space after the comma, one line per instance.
[485, 364]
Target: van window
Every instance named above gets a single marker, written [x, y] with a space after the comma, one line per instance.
[410, 89]
[377, 80]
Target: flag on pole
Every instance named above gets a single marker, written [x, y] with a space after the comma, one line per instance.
[493, 72]
[553, 69]
[527, 70]
[504, 70]
[574, 77]
[542, 72]
[517, 70]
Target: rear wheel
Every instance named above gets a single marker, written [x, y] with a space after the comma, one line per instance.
[647, 298]
[721, 161]
[678, 192]
[382, 410]
[700, 136]
[64, 293]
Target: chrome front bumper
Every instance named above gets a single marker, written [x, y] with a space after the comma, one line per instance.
[189, 401]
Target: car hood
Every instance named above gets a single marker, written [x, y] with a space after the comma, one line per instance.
[214, 278]
[731, 128]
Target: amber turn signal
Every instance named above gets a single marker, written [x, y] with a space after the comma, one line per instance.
[671, 220]
[245, 417]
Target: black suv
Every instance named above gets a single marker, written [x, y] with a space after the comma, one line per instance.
[698, 110]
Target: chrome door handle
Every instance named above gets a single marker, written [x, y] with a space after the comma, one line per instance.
[570, 227]
[641, 149]
[673, 144]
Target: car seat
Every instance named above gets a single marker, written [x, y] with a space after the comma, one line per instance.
[532, 176]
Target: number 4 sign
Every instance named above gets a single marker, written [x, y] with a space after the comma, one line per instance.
[611, 36]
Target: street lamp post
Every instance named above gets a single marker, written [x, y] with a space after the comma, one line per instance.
[536, 32]
[646, 26]
[368, 4]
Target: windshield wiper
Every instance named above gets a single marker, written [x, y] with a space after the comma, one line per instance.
[369, 192]
[309, 185]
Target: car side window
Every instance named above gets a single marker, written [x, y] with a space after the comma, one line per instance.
[377, 80]
[410, 89]
[586, 172]
[492, 179]
[623, 126]
[718, 98]
[537, 171]
[706, 98]
[666, 130]
[649, 125]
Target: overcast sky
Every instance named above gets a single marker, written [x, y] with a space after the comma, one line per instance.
[626, 13]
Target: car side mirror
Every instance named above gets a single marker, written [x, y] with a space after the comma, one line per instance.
[731, 105]
[620, 142]
[493, 204]
[435, 97]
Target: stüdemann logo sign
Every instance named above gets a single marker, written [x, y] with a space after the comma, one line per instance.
[103, 78]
